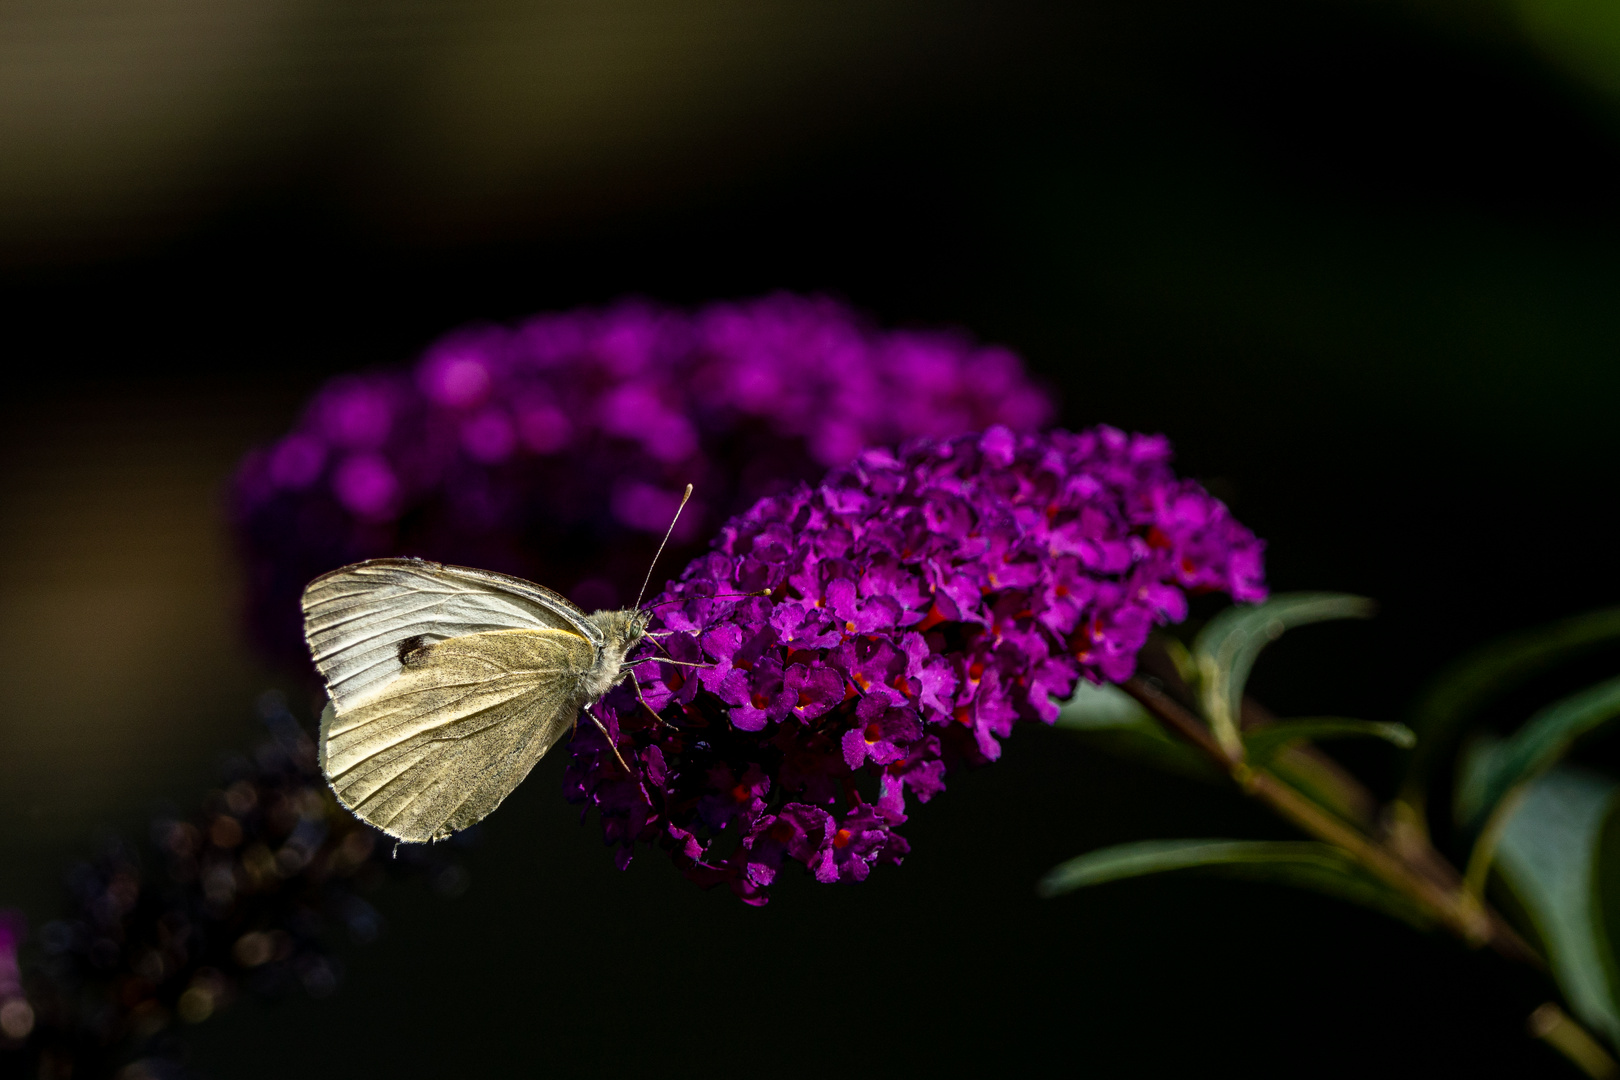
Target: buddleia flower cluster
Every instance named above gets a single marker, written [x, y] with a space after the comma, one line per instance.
[552, 448]
[556, 448]
[249, 895]
[894, 623]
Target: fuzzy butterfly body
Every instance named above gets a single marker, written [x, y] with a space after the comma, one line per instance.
[448, 684]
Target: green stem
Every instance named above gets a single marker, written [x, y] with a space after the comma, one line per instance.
[1449, 901]
[1553, 1026]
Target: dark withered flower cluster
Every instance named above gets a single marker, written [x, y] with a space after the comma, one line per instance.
[557, 448]
[903, 615]
[249, 895]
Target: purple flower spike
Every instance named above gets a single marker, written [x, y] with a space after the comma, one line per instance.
[905, 614]
[557, 448]
[12, 927]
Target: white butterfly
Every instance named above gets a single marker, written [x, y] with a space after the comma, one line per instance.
[448, 684]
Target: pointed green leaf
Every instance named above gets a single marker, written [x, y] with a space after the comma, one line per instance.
[1158, 856]
[1113, 721]
[1226, 649]
[1261, 743]
[1303, 864]
[1468, 685]
[1536, 747]
[1096, 707]
[1551, 856]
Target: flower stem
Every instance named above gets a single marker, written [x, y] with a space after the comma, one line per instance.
[1553, 1026]
[1413, 874]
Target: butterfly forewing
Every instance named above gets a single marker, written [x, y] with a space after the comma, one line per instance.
[356, 619]
[442, 744]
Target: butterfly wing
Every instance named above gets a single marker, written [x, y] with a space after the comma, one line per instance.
[443, 743]
[356, 619]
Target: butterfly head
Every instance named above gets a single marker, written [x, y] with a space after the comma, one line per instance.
[623, 629]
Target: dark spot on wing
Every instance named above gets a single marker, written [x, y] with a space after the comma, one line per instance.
[413, 649]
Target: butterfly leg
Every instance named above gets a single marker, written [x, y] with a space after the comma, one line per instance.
[651, 712]
[667, 659]
[609, 739]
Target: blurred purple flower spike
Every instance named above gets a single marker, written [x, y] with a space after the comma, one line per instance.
[16, 1014]
[556, 448]
[909, 610]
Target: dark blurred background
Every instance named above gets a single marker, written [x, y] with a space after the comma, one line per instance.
[1360, 260]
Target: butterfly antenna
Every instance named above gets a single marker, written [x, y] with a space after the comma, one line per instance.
[716, 596]
[667, 534]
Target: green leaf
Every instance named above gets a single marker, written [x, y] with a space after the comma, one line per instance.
[1536, 747]
[1471, 683]
[1158, 856]
[1226, 649]
[1261, 743]
[1113, 721]
[1096, 707]
[1551, 856]
[1304, 864]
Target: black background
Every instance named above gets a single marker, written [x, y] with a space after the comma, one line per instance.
[1360, 266]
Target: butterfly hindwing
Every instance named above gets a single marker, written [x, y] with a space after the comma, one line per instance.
[442, 743]
[360, 620]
